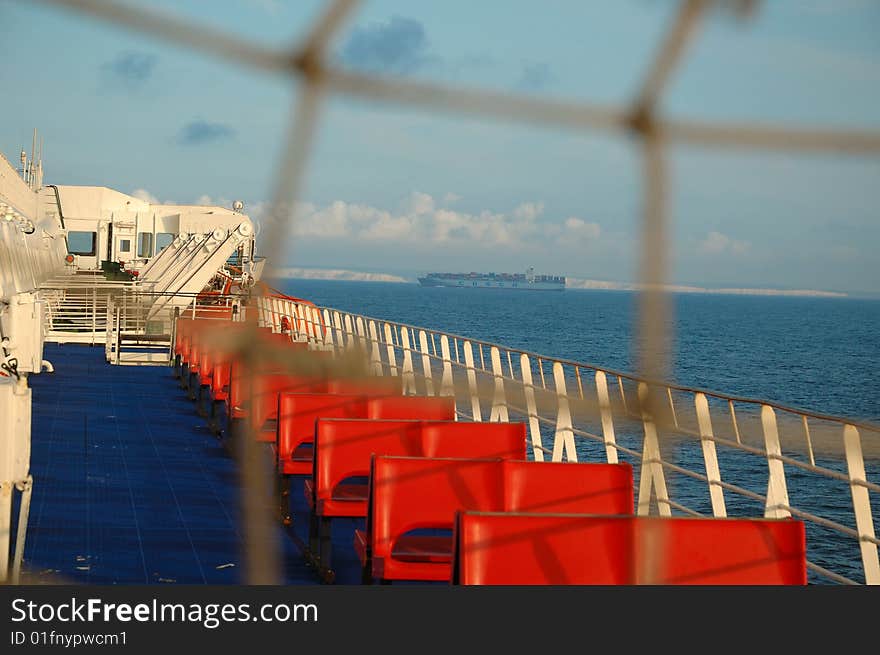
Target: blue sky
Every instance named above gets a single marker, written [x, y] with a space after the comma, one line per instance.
[401, 190]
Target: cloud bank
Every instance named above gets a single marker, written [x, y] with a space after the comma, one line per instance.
[424, 221]
[717, 243]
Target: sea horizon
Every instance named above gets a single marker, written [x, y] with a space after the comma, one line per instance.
[572, 284]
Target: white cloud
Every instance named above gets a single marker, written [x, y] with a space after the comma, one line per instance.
[579, 230]
[421, 203]
[529, 211]
[451, 198]
[717, 243]
[210, 201]
[146, 196]
[422, 221]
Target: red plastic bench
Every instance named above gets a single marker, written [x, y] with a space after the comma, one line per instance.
[295, 428]
[541, 549]
[409, 494]
[343, 449]
[255, 399]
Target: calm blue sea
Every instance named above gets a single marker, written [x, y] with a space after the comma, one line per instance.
[815, 353]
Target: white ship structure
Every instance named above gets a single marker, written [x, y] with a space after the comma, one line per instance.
[527, 281]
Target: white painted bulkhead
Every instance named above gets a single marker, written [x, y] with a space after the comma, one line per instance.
[104, 224]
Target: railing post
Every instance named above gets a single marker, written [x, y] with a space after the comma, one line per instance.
[622, 395]
[6, 487]
[472, 381]
[301, 312]
[809, 440]
[328, 332]
[607, 417]
[389, 342]
[94, 312]
[108, 330]
[409, 377]
[732, 410]
[348, 328]
[447, 388]
[651, 475]
[118, 335]
[361, 333]
[563, 440]
[274, 311]
[337, 327]
[315, 313]
[426, 363]
[499, 401]
[375, 353]
[710, 456]
[855, 464]
[777, 490]
[672, 407]
[532, 407]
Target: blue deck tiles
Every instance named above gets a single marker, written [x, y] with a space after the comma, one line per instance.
[130, 487]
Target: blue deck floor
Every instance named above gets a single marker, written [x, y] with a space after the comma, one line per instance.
[130, 486]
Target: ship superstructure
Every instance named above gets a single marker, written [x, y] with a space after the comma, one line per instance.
[520, 281]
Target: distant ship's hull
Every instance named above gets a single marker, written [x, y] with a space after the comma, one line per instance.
[488, 283]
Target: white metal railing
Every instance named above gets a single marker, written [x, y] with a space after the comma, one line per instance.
[76, 307]
[777, 461]
[141, 325]
[90, 309]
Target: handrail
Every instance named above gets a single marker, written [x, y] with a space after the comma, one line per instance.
[867, 425]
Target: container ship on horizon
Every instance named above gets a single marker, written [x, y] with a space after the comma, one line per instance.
[526, 281]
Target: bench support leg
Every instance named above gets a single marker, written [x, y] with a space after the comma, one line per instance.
[214, 415]
[366, 573]
[192, 386]
[314, 541]
[325, 543]
[284, 499]
[203, 400]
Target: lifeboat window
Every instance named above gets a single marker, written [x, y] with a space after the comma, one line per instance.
[81, 243]
[145, 244]
[125, 245]
[163, 240]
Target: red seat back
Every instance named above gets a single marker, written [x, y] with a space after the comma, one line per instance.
[345, 447]
[541, 549]
[244, 381]
[297, 413]
[427, 493]
[581, 549]
[265, 389]
[413, 493]
[473, 439]
[722, 551]
[220, 373]
[206, 366]
[563, 487]
[181, 331]
[366, 386]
